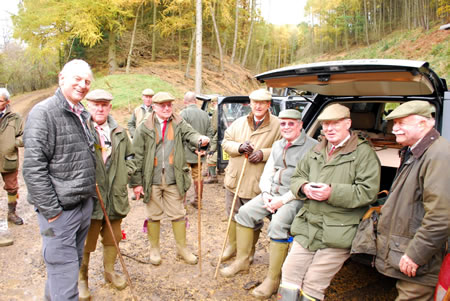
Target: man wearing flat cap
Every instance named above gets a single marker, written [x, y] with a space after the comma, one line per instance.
[414, 224]
[141, 112]
[249, 136]
[162, 175]
[113, 154]
[275, 200]
[338, 180]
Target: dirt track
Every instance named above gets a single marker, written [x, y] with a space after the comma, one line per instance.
[23, 271]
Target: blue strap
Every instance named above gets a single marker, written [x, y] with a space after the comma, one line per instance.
[289, 240]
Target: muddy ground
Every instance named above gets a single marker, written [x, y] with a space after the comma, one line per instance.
[23, 270]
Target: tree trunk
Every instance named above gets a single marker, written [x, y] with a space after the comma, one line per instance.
[217, 37]
[112, 52]
[261, 53]
[191, 50]
[244, 60]
[127, 69]
[198, 47]
[366, 21]
[236, 23]
[155, 6]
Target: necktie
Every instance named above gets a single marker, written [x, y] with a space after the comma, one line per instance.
[1, 114]
[164, 129]
[101, 135]
[333, 148]
[287, 145]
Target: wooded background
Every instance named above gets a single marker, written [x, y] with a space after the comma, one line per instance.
[116, 34]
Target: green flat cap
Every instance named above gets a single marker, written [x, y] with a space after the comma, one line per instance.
[290, 114]
[260, 95]
[414, 107]
[99, 95]
[148, 92]
[334, 112]
[161, 97]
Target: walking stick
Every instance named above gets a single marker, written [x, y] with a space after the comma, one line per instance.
[199, 211]
[115, 241]
[231, 214]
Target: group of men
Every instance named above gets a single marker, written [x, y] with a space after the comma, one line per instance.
[315, 193]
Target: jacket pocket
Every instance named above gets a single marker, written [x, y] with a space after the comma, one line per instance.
[338, 232]
[230, 178]
[397, 247]
[10, 162]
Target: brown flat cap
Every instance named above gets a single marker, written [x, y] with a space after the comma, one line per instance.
[414, 107]
[99, 95]
[260, 95]
[161, 97]
[334, 112]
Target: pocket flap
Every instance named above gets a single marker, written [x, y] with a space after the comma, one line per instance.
[341, 220]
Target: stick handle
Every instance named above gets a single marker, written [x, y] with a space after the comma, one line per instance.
[231, 215]
[102, 204]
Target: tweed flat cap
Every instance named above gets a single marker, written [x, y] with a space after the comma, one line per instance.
[260, 95]
[148, 92]
[334, 112]
[290, 114]
[99, 95]
[161, 97]
[414, 107]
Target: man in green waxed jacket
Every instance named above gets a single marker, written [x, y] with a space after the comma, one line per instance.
[162, 175]
[338, 179]
[199, 120]
[113, 154]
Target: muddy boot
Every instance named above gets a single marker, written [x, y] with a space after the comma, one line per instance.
[83, 287]
[230, 250]
[288, 292]
[278, 252]
[255, 240]
[12, 216]
[153, 238]
[244, 243]
[109, 258]
[5, 236]
[179, 231]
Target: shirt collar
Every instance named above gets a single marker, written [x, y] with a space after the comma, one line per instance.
[342, 142]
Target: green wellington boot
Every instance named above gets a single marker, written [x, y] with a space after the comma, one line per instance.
[83, 284]
[179, 231]
[153, 238]
[277, 254]
[244, 244]
[109, 258]
[230, 250]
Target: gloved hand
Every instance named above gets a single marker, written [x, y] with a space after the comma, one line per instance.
[256, 157]
[246, 148]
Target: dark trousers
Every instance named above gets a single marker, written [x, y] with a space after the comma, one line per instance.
[62, 249]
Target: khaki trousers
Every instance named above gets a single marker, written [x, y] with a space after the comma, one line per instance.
[195, 171]
[413, 291]
[11, 184]
[165, 199]
[312, 271]
[229, 202]
[100, 227]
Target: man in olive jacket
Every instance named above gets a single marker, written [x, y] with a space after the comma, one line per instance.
[338, 179]
[199, 120]
[253, 136]
[162, 175]
[414, 225]
[113, 154]
[11, 131]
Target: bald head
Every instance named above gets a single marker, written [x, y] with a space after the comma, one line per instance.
[189, 98]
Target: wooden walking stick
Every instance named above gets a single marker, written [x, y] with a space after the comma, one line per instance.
[231, 214]
[199, 210]
[102, 204]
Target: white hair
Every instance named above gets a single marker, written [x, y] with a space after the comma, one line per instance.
[68, 67]
[4, 93]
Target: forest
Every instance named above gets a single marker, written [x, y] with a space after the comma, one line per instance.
[121, 34]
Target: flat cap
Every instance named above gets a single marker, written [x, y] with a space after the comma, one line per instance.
[414, 107]
[148, 92]
[161, 97]
[334, 112]
[260, 95]
[99, 95]
[290, 114]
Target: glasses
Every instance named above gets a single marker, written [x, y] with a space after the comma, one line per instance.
[289, 123]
